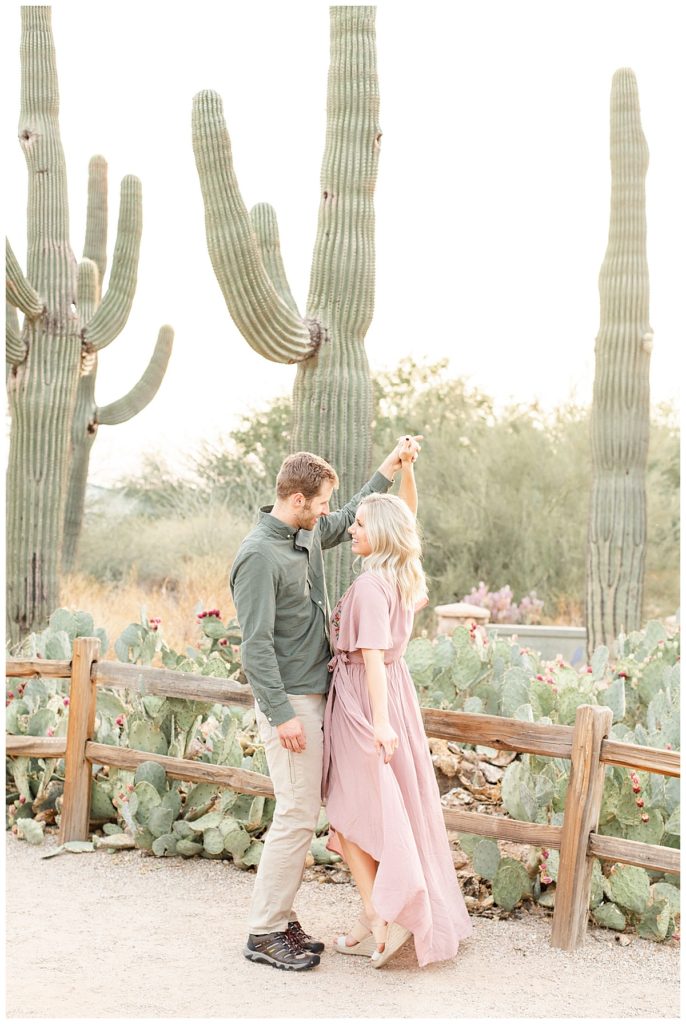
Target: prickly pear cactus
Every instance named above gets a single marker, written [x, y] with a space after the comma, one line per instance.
[620, 415]
[471, 672]
[55, 348]
[332, 393]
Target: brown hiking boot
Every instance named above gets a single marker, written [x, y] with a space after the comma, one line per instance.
[279, 949]
[305, 941]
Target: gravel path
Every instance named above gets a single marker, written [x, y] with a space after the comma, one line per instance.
[122, 935]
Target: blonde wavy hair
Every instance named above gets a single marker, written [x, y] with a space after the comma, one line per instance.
[396, 548]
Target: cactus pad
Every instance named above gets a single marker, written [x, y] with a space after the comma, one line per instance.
[630, 888]
[511, 883]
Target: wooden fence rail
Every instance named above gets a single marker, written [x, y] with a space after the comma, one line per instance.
[585, 744]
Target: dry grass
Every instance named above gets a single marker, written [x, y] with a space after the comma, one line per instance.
[202, 581]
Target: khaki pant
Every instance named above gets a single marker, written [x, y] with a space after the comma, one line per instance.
[297, 787]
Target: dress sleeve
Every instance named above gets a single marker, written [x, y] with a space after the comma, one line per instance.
[366, 616]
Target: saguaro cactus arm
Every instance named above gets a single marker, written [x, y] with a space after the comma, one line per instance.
[113, 311]
[88, 287]
[15, 347]
[343, 263]
[266, 228]
[95, 245]
[266, 321]
[88, 292]
[144, 391]
[19, 292]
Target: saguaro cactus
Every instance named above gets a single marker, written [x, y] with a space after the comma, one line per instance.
[56, 344]
[332, 392]
[621, 399]
[88, 416]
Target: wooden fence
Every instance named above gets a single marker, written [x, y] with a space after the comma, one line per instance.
[585, 744]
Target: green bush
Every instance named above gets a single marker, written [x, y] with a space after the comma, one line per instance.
[504, 496]
[158, 548]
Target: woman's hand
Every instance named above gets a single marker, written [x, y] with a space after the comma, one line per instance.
[385, 737]
[409, 448]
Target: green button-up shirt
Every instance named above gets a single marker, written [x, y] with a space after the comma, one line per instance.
[278, 588]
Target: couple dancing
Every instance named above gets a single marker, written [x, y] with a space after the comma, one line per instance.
[363, 749]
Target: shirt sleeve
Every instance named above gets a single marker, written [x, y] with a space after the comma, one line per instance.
[253, 587]
[366, 616]
[333, 529]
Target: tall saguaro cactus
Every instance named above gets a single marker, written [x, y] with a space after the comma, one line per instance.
[332, 392]
[620, 415]
[57, 343]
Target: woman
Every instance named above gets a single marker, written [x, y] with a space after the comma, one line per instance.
[381, 793]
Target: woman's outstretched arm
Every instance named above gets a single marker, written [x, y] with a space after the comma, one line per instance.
[408, 484]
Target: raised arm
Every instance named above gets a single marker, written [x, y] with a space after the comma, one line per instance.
[408, 485]
[334, 527]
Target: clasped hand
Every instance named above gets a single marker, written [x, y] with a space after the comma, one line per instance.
[408, 448]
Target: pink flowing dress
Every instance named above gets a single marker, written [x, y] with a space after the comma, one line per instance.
[392, 811]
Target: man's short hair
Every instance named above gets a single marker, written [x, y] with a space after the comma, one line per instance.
[303, 473]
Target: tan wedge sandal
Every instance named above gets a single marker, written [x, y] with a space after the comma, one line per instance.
[364, 940]
[392, 936]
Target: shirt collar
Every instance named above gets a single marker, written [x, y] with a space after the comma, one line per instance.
[300, 538]
[274, 525]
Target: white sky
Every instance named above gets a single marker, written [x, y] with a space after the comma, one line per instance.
[492, 199]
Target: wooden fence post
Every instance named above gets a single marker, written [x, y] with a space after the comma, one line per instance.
[76, 801]
[582, 809]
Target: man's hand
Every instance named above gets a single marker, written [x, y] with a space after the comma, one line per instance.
[292, 735]
[410, 447]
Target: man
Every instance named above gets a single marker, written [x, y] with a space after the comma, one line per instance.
[278, 587]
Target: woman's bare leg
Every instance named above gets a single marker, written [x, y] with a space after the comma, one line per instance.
[363, 868]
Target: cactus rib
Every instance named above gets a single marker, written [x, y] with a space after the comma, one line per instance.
[19, 292]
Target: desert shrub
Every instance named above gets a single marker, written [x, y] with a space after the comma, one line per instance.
[164, 548]
[503, 496]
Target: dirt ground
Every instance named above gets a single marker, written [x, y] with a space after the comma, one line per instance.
[126, 936]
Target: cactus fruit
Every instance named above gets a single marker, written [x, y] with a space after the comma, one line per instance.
[620, 414]
[332, 395]
[55, 348]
